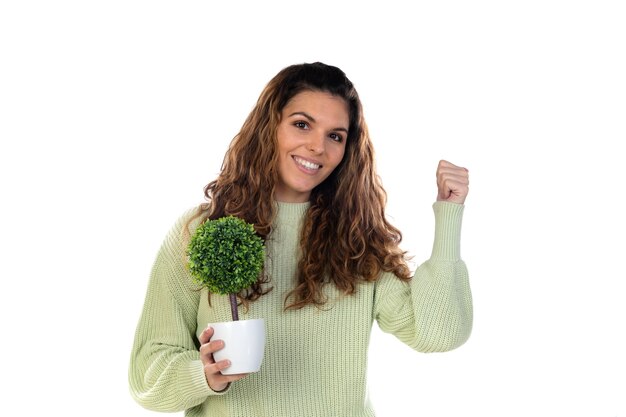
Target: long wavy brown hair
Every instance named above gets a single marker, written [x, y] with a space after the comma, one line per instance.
[345, 238]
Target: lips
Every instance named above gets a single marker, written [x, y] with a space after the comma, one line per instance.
[308, 165]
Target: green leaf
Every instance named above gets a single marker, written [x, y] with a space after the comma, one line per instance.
[226, 255]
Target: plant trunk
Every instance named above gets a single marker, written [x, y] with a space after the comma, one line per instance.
[233, 306]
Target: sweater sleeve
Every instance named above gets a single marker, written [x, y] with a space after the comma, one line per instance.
[166, 373]
[433, 311]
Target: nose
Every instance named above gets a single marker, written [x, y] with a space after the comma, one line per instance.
[316, 144]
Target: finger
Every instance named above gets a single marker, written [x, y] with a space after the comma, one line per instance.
[218, 377]
[206, 335]
[448, 182]
[451, 184]
[453, 171]
[214, 378]
[454, 176]
[457, 171]
[446, 164]
[234, 377]
[211, 347]
[213, 372]
[215, 367]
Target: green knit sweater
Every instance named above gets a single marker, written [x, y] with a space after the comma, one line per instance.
[315, 360]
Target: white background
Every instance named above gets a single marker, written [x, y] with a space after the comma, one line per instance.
[114, 115]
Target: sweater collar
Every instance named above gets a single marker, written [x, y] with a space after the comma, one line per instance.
[291, 211]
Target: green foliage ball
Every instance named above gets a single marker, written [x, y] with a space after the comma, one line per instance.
[226, 255]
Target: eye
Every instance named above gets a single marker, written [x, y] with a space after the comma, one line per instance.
[336, 137]
[301, 125]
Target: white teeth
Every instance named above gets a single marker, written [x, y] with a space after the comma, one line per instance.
[306, 164]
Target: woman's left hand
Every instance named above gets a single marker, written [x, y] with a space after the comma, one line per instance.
[452, 182]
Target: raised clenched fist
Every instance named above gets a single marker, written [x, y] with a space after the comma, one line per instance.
[452, 182]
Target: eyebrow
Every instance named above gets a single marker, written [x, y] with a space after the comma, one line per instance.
[312, 119]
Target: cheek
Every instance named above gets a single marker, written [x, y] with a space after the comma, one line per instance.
[339, 155]
[282, 139]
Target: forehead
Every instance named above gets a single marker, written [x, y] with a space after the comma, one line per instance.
[319, 102]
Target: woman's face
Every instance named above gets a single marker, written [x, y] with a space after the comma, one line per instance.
[312, 136]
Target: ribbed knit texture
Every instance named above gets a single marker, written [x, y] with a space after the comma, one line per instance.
[315, 360]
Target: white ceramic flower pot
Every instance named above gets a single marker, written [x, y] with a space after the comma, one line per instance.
[244, 344]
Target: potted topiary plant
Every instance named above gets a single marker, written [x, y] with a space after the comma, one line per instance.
[226, 256]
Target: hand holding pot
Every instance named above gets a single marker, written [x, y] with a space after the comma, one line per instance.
[215, 379]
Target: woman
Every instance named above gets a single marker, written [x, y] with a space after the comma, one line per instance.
[302, 171]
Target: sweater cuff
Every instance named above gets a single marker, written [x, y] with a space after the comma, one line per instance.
[448, 217]
[197, 385]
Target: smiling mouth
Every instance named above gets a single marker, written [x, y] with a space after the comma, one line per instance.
[306, 164]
